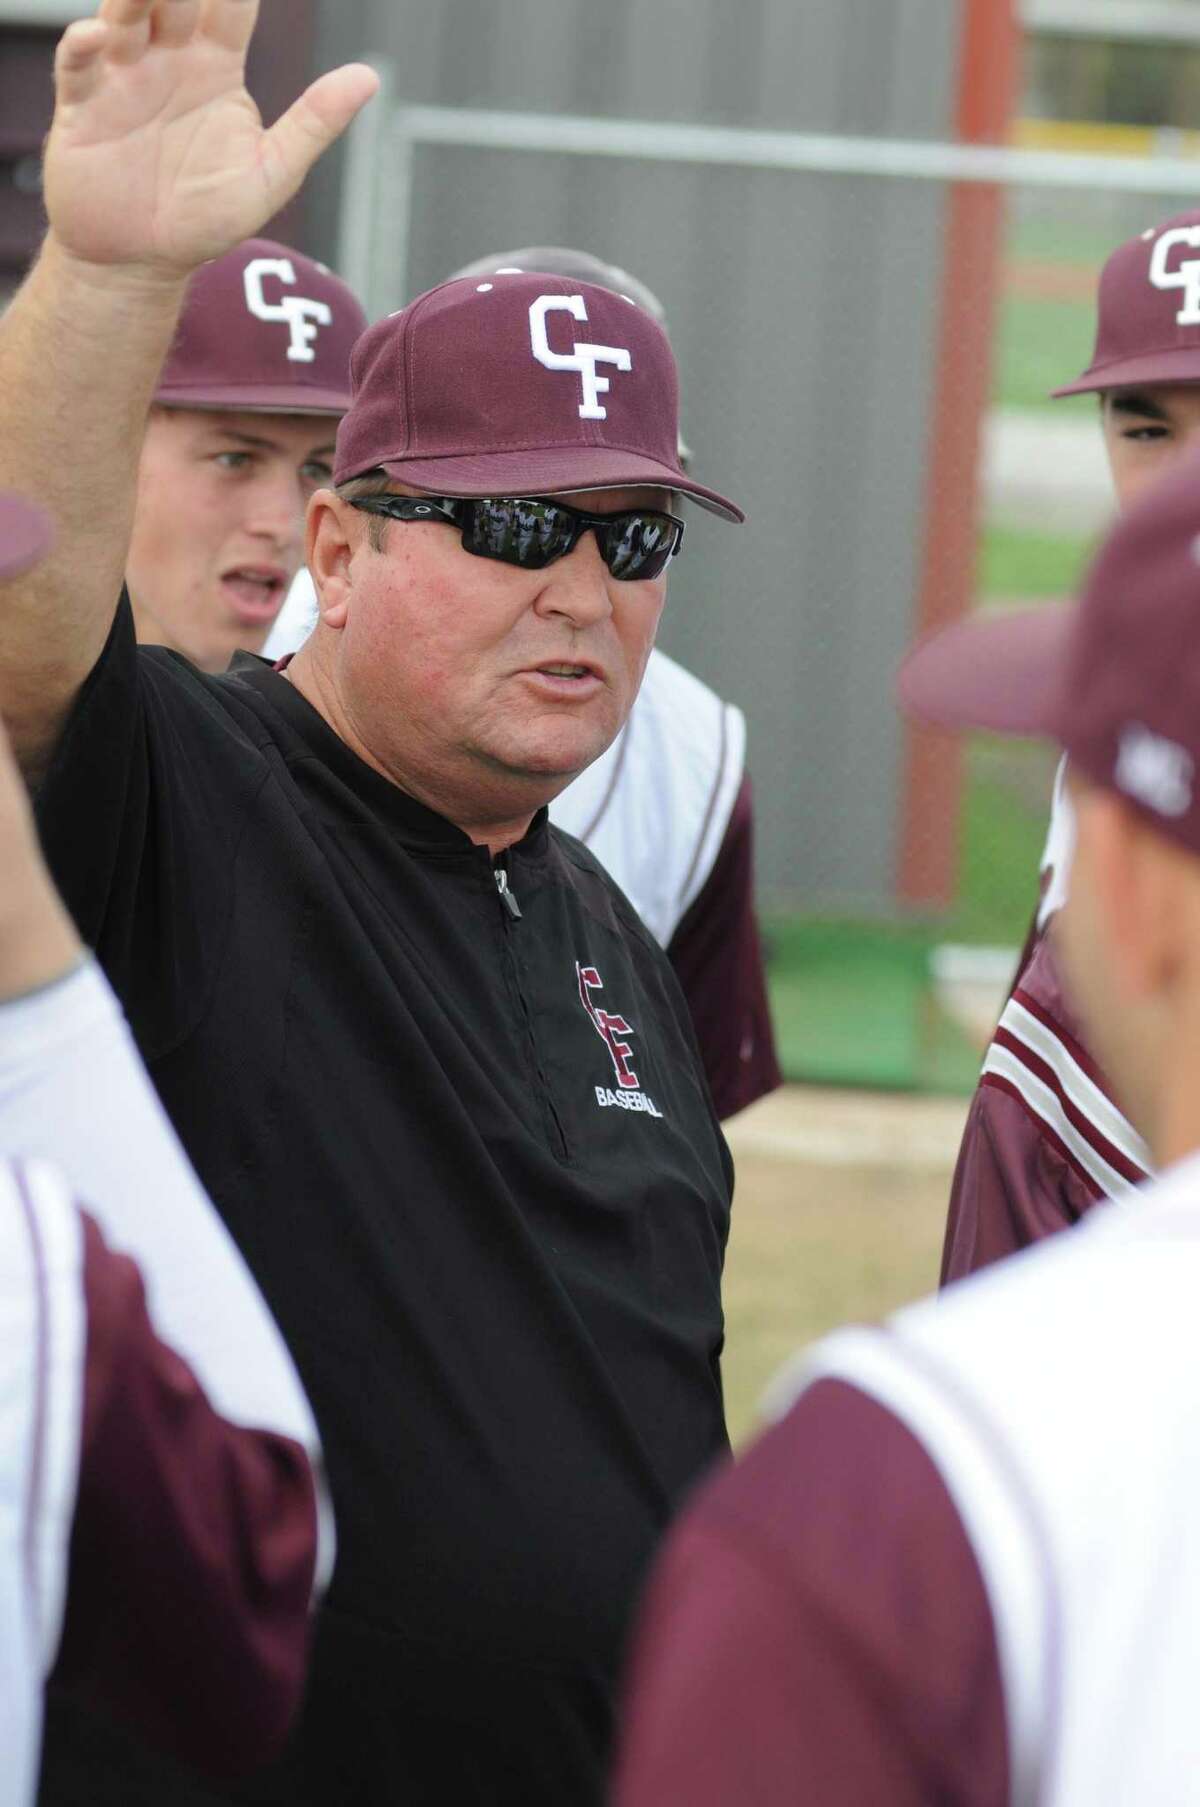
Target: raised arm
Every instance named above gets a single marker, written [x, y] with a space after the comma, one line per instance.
[157, 161]
[73, 1089]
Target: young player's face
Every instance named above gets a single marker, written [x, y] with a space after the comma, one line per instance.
[1145, 430]
[218, 532]
[482, 687]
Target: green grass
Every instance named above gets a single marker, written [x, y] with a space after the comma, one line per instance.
[852, 1006]
[1014, 564]
[852, 1000]
[1039, 345]
[1005, 813]
[1058, 238]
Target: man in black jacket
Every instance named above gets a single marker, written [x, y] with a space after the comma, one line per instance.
[438, 1078]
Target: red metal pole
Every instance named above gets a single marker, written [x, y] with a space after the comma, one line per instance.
[933, 763]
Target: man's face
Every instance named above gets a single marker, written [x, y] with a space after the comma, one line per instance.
[218, 531]
[1145, 430]
[481, 687]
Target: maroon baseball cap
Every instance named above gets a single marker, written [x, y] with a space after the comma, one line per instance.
[1115, 678]
[25, 534]
[577, 266]
[1148, 311]
[264, 328]
[519, 384]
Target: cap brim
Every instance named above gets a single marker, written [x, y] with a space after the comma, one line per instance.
[999, 672]
[255, 398]
[25, 534]
[1170, 364]
[550, 471]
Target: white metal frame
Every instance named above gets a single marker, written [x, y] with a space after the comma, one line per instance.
[378, 191]
[1156, 21]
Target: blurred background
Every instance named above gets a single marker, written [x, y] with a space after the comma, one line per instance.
[876, 227]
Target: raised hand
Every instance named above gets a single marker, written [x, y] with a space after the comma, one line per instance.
[157, 156]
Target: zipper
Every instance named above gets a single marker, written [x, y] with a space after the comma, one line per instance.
[507, 898]
[553, 1122]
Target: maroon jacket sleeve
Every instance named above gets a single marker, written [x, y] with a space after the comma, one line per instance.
[1017, 1178]
[1011, 1186]
[718, 961]
[193, 1547]
[818, 1631]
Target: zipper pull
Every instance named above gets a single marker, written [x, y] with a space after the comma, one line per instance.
[506, 897]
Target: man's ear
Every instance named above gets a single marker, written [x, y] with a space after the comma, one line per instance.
[331, 531]
[1136, 878]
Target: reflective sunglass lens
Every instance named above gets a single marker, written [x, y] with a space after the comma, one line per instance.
[638, 546]
[517, 532]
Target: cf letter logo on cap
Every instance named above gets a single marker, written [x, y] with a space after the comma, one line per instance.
[302, 316]
[1186, 277]
[581, 358]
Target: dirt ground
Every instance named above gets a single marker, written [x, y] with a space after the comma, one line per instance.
[839, 1210]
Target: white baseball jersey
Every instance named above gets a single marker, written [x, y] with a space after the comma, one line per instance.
[42, 1344]
[654, 808]
[1058, 1395]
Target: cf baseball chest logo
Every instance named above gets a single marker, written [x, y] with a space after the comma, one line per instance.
[1186, 274]
[582, 358]
[302, 316]
[612, 1031]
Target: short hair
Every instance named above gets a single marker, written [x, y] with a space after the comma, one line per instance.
[371, 483]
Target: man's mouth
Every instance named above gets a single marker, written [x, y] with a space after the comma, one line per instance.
[256, 591]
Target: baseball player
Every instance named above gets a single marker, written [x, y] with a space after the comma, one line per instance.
[668, 808]
[436, 1074]
[194, 1629]
[964, 1566]
[1045, 1138]
[240, 435]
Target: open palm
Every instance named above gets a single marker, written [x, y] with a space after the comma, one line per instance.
[157, 155]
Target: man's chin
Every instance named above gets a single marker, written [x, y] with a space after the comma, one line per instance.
[565, 754]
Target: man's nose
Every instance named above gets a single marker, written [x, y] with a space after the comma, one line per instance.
[578, 585]
[277, 506]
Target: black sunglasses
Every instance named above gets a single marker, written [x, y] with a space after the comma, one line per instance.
[533, 533]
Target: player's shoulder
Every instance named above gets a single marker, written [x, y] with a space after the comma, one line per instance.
[1040, 986]
[676, 705]
[1039, 1056]
[192, 713]
[667, 684]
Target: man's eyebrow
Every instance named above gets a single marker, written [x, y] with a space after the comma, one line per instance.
[259, 444]
[1136, 401]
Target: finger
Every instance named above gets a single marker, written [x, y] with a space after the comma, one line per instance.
[129, 22]
[311, 124]
[79, 61]
[126, 12]
[229, 23]
[174, 22]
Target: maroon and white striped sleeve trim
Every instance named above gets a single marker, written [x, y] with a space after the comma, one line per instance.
[1039, 1063]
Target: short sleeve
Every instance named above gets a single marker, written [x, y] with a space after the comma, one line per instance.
[818, 1630]
[182, 1521]
[717, 958]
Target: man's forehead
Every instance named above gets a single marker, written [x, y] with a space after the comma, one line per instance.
[254, 428]
[1156, 400]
